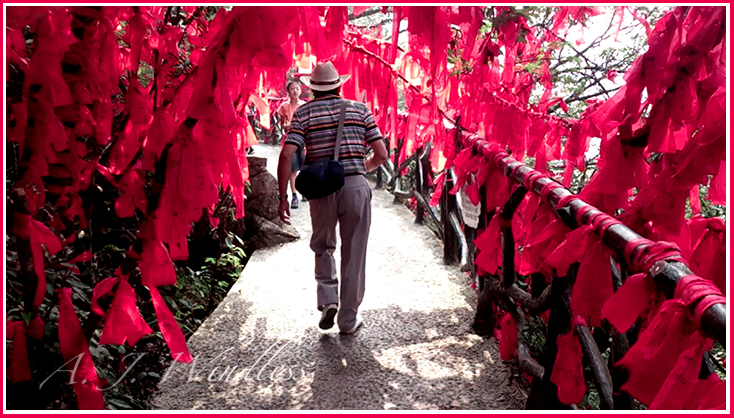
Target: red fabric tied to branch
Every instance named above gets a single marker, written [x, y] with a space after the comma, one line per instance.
[75, 350]
[508, 338]
[568, 371]
[38, 234]
[132, 194]
[17, 331]
[489, 245]
[545, 235]
[701, 389]
[626, 305]
[651, 360]
[123, 322]
[697, 292]
[156, 266]
[170, 328]
[679, 384]
[708, 257]
[571, 250]
[593, 285]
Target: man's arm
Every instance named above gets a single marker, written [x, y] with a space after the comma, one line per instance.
[284, 167]
[379, 155]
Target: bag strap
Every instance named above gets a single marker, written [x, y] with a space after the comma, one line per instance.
[340, 130]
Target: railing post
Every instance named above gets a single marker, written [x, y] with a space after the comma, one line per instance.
[420, 213]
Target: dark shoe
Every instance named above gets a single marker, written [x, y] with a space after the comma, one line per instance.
[303, 198]
[327, 317]
[294, 202]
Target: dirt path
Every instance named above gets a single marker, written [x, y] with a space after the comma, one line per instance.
[262, 349]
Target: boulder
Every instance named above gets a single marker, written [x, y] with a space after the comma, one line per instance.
[268, 233]
[263, 225]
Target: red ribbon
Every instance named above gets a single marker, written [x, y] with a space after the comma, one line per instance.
[123, 322]
[508, 337]
[568, 371]
[27, 228]
[490, 247]
[547, 189]
[530, 179]
[20, 369]
[593, 285]
[651, 253]
[625, 306]
[658, 349]
[698, 292]
[76, 355]
[155, 265]
[170, 328]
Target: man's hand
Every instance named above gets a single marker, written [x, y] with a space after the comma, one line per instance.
[284, 211]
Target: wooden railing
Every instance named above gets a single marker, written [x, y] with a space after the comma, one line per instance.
[506, 291]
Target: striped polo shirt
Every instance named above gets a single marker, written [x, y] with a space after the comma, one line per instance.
[315, 125]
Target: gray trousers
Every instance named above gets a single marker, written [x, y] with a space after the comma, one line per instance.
[351, 207]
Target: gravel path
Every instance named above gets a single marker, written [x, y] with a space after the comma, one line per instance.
[262, 349]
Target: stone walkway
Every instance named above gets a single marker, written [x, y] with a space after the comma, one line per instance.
[262, 349]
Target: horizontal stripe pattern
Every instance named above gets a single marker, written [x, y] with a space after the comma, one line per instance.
[315, 125]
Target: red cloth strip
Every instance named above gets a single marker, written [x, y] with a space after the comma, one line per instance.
[581, 212]
[651, 253]
[530, 179]
[694, 290]
[547, 189]
[514, 170]
[75, 350]
[20, 369]
[565, 200]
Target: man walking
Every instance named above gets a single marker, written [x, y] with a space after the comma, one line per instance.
[315, 126]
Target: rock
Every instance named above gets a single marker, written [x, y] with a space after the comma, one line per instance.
[262, 223]
[262, 198]
[269, 233]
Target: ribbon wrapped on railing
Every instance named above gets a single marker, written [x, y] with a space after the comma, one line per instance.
[530, 178]
[650, 254]
[698, 294]
[74, 349]
[20, 369]
[568, 371]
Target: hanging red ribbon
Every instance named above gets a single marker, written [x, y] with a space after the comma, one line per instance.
[508, 338]
[593, 285]
[26, 228]
[568, 372]
[651, 360]
[20, 369]
[169, 328]
[123, 322]
[489, 245]
[625, 306]
[74, 349]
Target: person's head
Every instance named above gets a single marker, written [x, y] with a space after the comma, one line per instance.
[325, 80]
[317, 93]
[293, 89]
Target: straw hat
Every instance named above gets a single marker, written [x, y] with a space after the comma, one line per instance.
[324, 78]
